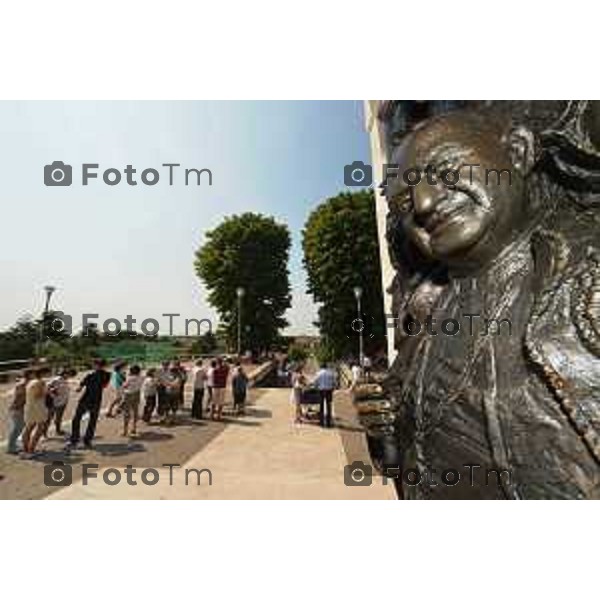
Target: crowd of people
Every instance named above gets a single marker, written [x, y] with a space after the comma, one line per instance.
[319, 389]
[159, 394]
[156, 394]
[321, 385]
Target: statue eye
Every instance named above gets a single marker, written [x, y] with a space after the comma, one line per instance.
[447, 165]
[403, 202]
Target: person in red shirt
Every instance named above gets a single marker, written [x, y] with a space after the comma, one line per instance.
[220, 374]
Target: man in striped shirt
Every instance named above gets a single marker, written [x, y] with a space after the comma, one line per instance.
[325, 381]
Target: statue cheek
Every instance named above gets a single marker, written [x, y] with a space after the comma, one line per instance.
[475, 227]
[460, 236]
[421, 240]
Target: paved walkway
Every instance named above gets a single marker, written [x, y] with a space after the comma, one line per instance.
[265, 456]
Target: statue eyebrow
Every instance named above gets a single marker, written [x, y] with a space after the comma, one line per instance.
[398, 191]
[401, 196]
[446, 152]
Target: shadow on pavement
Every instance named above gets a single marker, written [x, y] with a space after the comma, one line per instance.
[154, 436]
[346, 427]
[187, 422]
[50, 456]
[232, 421]
[259, 413]
[119, 449]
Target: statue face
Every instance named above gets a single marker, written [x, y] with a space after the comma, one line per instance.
[468, 223]
[592, 122]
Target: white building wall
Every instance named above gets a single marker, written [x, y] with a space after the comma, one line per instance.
[378, 158]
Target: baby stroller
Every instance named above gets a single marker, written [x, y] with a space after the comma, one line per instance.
[311, 403]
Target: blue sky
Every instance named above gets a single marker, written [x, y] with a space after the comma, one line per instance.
[129, 249]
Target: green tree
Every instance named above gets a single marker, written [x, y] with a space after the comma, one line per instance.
[19, 342]
[29, 336]
[84, 345]
[60, 354]
[248, 251]
[341, 252]
[324, 353]
[207, 343]
[297, 354]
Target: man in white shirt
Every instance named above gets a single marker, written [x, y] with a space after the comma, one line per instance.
[58, 391]
[162, 379]
[132, 389]
[200, 383]
[210, 379]
[356, 375]
[367, 367]
[325, 381]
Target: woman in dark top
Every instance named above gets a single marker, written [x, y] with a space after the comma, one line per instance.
[239, 388]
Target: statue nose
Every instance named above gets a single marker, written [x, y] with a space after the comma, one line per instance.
[425, 198]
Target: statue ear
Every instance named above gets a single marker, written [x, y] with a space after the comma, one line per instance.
[522, 149]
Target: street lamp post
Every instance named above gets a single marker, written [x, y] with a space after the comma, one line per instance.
[49, 289]
[358, 295]
[240, 293]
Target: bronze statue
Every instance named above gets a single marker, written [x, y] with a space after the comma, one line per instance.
[510, 403]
